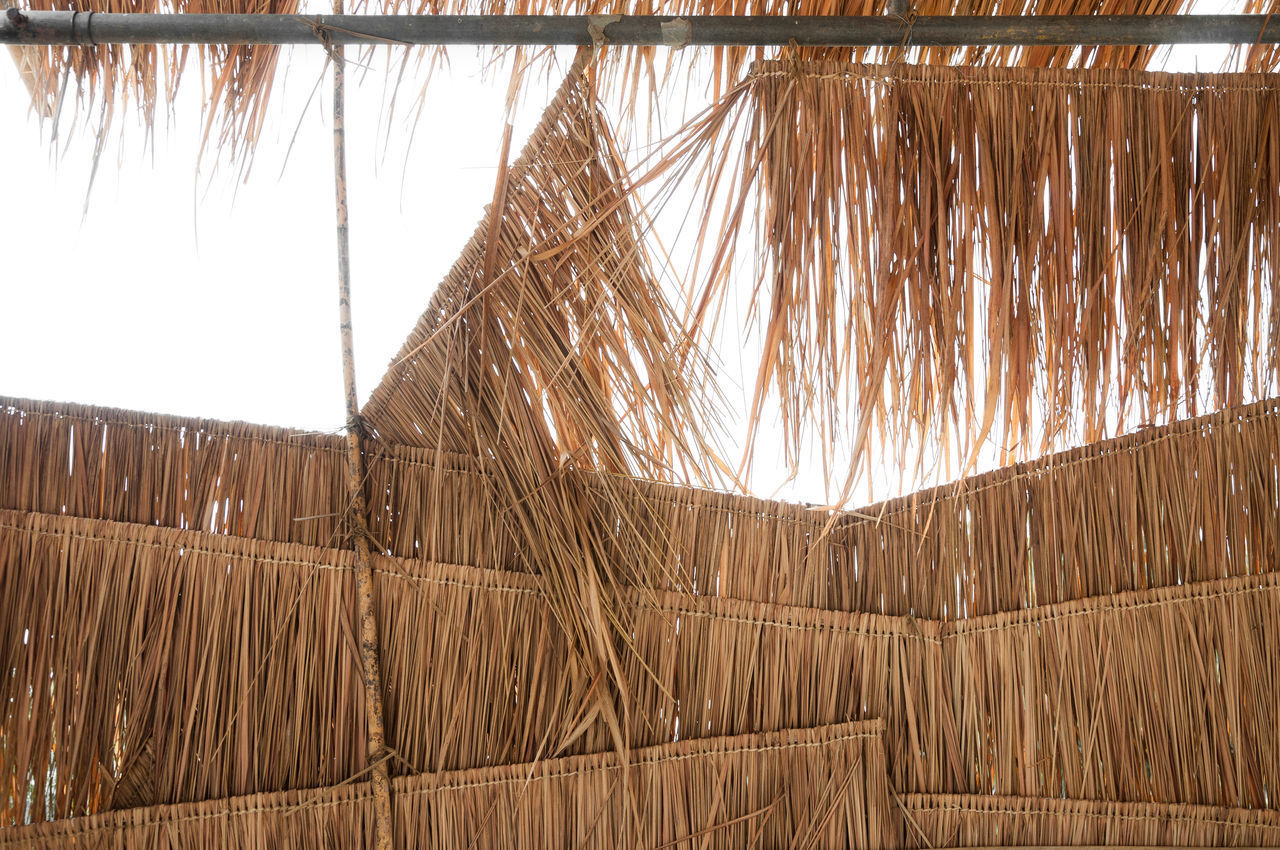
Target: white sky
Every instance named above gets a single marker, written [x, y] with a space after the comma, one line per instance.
[209, 297]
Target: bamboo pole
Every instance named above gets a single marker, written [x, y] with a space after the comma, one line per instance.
[587, 30]
[357, 508]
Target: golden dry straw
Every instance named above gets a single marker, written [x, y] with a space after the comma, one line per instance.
[973, 821]
[944, 259]
[1169, 695]
[825, 787]
[1193, 501]
[478, 672]
[182, 666]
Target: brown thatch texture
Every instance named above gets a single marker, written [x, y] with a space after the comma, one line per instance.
[1059, 699]
[222, 477]
[949, 256]
[824, 786]
[1193, 501]
[228, 662]
[977, 821]
[550, 348]
[1168, 695]
[552, 323]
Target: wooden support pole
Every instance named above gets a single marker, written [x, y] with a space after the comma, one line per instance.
[357, 508]
[38, 27]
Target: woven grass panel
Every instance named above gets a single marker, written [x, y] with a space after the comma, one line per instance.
[976, 821]
[477, 671]
[231, 663]
[1166, 695]
[239, 479]
[826, 786]
[180, 666]
[225, 477]
[1192, 501]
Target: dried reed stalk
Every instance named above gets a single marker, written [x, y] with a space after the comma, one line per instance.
[357, 509]
[822, 787]
[945, 257]
[971, 821]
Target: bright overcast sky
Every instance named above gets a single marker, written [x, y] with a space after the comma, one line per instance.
[212, 297]
[205, 296]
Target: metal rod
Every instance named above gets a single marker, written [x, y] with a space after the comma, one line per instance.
[357, 505]
[747, 30]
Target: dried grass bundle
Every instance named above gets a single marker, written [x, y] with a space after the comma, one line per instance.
[1056, 699]
[822, 787]
[950, 256]
[222, 477]
[187, 666]
[1169, 695]
[977, 821]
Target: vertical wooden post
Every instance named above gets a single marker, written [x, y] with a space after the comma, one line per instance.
[357, 508]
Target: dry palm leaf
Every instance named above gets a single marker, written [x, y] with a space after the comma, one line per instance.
[949, 257]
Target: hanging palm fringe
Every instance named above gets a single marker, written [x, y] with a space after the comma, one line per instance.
[109, 80]
[950, 258]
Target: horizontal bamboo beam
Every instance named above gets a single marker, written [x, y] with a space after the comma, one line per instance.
[745, 30]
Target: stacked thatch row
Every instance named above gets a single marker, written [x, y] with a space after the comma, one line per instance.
[1075, 650]
[155, 664]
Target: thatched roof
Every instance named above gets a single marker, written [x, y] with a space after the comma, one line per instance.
[227, 662]
[577, 646]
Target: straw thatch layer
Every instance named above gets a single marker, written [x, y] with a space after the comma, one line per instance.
[826, 786]
[947, 256]
[180, 666]
[550, 348]
[552, 323]
[224, 664]
[1167, 695]
[977, 821]
[1193, 501]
